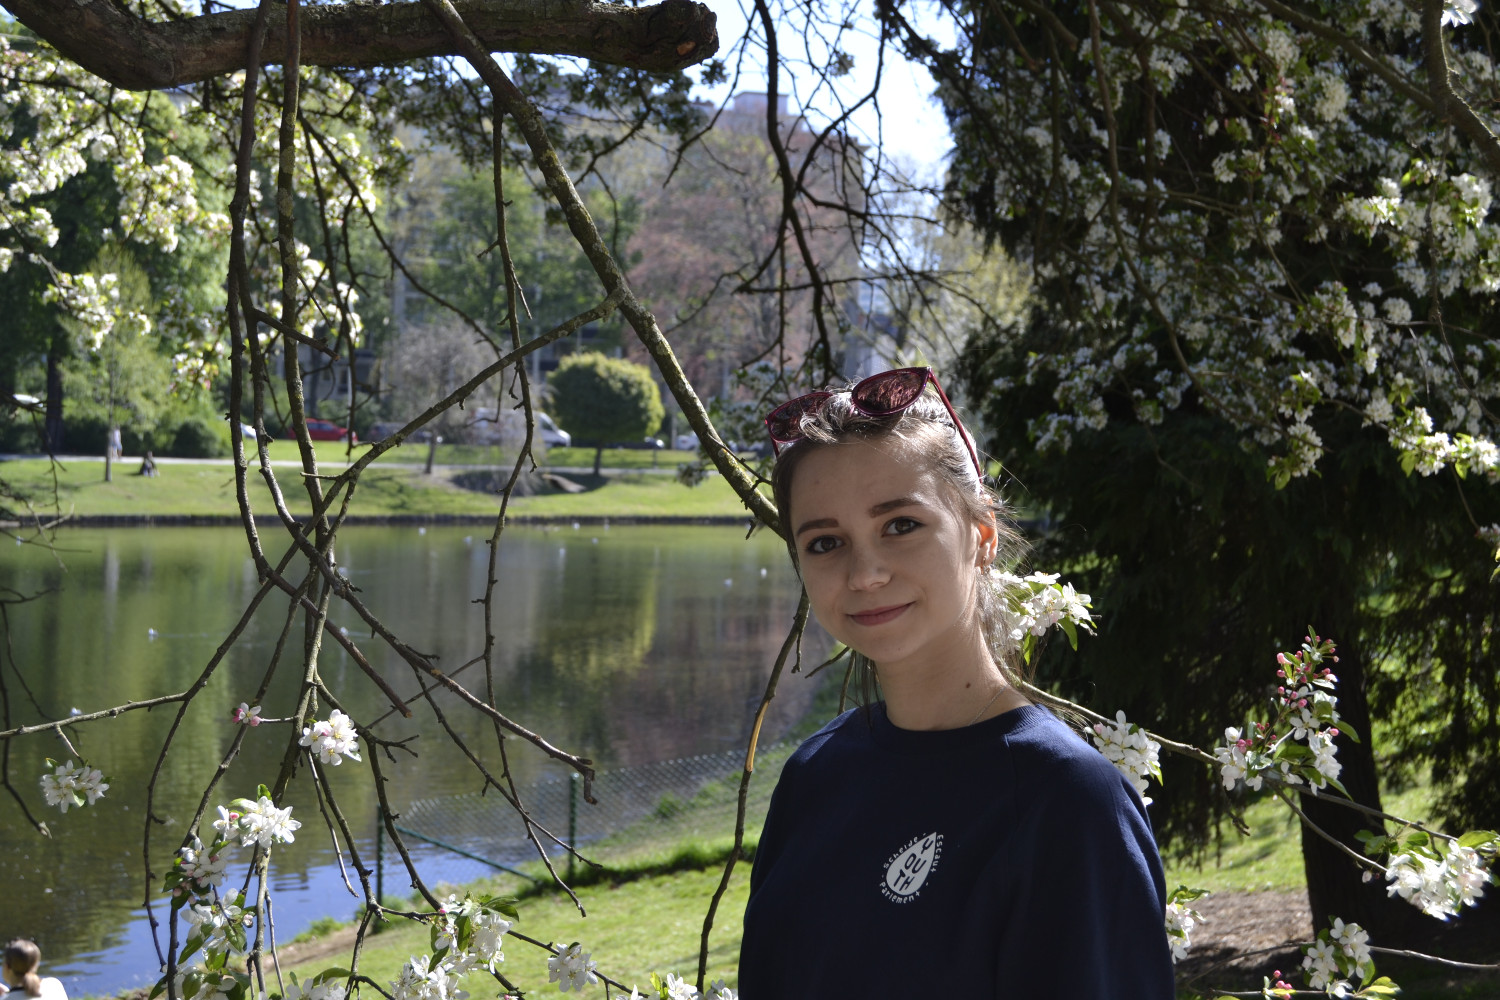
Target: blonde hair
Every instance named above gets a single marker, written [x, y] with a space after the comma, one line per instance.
[21, 959]
[928, 432]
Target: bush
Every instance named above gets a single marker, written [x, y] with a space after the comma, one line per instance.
[198, 437]
[20, 433]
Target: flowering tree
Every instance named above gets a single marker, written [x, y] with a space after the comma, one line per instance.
[319, 132]
[1261, 245]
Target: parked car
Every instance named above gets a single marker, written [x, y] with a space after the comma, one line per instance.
[687, 442]
[510, 429]
[552, 435]
[325, 430]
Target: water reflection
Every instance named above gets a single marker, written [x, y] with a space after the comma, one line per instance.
[627, 645]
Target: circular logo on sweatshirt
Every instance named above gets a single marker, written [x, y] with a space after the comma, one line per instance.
[906, 871]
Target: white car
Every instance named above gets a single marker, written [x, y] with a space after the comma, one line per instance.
[552, 435]
[687, 442]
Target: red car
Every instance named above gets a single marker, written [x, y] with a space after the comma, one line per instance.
[325, 430]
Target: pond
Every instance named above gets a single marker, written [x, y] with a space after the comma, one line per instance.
[627, 645]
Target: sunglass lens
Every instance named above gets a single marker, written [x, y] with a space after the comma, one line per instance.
[785, 422]
[890, 391]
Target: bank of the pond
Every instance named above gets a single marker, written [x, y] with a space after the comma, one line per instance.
[643, 916]
[184, 493]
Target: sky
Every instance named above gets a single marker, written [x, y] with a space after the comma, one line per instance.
[914, 125]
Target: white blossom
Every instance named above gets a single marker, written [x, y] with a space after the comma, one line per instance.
[1128, 748]
[332, 740]
[262, 823]
[71, 784]
[571, 969]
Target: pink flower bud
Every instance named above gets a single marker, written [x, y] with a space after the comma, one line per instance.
[1302, 703]
[1281, 659]
[1333, 732]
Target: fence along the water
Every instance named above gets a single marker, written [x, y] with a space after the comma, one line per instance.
[638, 808]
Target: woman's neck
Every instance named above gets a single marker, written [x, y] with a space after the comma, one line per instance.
[950, 691]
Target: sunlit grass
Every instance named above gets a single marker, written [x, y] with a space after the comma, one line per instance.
[208, 490]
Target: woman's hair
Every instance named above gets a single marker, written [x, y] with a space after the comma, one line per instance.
[21, 958]
[928, 432]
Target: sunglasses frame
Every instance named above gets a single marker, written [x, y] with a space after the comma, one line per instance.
[815, 399]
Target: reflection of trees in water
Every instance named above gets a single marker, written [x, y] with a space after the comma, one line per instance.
[632, 648]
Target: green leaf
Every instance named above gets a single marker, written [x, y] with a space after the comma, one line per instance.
[334, 973]
[1066, 624]
[1186, 894]
[262, 791]
[1478, 838]
[1334, 782]
[1347, 730]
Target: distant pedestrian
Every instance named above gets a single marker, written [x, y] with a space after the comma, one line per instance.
[19, 972]
[116, 447]
[148, 465]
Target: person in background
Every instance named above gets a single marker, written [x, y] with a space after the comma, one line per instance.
[20, 977]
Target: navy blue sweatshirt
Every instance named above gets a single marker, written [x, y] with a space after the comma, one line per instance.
[1005, 859]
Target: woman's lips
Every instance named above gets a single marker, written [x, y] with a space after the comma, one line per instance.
[879, 616]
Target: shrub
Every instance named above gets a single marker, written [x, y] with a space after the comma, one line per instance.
[198, 437]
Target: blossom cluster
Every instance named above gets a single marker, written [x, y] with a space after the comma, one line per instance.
[571, 968]
[72, 784]
[423, 979]
[1339, 954]
[1306, 710]
[1181, 918]
[676, 988]
[219, 926]
[332, 740]
[1436, 874]
[257, 821]
[467, 934]
[1038, 602]
[1128, 747]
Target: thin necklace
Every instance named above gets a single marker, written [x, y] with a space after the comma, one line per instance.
[987, 705]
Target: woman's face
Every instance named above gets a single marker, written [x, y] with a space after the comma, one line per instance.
[886, 552]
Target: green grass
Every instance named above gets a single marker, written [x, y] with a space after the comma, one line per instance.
[415, 453]
[204, 490]
[1270, 858]
[632, 928]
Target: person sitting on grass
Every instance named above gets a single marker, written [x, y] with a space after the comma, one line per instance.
[19, 972]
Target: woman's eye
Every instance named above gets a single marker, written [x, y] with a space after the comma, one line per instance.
[822, 544]
[902, 526]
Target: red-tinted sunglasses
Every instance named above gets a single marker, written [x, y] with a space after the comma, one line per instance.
[877, 396]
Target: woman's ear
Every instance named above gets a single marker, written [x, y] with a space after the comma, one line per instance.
[989, 540]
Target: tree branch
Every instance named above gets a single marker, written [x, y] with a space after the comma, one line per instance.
[135, 54]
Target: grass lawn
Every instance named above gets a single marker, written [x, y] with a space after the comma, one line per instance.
[632, 929]
[201, 490]
[415, 453]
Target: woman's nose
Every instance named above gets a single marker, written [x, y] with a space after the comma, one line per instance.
[867, 569]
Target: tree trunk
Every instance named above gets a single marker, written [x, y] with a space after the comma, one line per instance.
[52, 427]
[598, 458]
[432, 443]
[1335, 884]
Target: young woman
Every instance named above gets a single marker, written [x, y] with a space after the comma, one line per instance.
[953, 839]
[19, 971]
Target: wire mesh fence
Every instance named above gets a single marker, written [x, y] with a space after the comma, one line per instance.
[638, 810]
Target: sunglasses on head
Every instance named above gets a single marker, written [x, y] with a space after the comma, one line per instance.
[882, 395]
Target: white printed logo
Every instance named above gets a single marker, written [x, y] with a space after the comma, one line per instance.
[908, 868]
